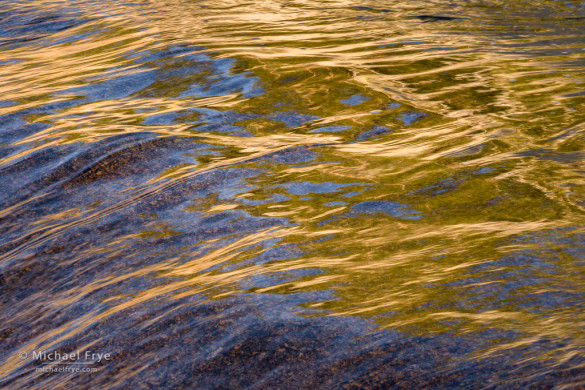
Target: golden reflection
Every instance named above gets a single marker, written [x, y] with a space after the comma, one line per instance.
[474, 140]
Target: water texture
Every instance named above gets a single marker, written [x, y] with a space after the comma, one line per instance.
[300, 194]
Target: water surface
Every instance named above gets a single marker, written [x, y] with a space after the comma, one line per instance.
[293, 194]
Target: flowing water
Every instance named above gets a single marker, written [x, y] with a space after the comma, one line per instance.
[292, 194]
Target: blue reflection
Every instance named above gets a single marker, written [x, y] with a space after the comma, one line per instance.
[355, 100]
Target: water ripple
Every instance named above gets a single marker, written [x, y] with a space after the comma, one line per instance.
[299, 194]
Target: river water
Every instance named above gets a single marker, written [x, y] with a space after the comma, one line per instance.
[302, 194]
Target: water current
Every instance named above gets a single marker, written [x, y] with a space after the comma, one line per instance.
[292, 194]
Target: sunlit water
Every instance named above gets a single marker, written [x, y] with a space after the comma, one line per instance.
[293, 194]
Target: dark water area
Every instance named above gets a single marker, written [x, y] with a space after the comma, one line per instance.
[292, 194]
